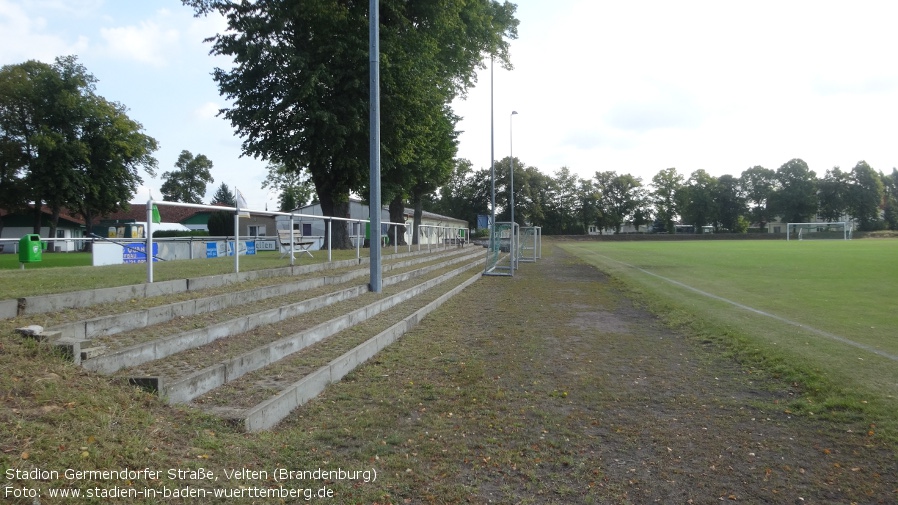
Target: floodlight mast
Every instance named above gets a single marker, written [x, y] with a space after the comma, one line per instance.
[374, 208]
[512, 248]
[492, 162]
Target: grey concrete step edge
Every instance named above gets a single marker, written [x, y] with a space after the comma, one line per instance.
[112, 324]
[145, 352]
[270, 412]
[209, 378]
[39, 304]
[283, 312]
[138, 354]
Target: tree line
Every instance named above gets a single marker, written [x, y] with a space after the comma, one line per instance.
[299, 88]
[565, 203]
[64, 146]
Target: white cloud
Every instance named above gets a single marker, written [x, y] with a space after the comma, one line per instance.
[147, 42]
[24, 37]
[208, 110]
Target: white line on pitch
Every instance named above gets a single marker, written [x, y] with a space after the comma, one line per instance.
[811, 329]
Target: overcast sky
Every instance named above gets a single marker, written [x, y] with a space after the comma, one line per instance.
[633, 87]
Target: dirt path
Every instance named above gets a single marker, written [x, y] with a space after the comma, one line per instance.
[562, 391]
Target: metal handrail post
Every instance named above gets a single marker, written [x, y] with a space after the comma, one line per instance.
[149, 239]
[292, 240]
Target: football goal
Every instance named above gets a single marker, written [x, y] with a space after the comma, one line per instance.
[500, 255]
[819, 231]
[530, 243]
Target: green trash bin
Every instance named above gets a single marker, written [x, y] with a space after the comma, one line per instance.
[30, 249]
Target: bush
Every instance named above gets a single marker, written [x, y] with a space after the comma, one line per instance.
[221, 224]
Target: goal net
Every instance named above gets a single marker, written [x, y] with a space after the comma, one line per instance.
[818, 231]
[501, 251]
[530, 243]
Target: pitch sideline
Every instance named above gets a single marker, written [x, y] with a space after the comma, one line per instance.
[811, 329]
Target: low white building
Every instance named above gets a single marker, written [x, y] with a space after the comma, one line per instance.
[69, 230]
[434, 227]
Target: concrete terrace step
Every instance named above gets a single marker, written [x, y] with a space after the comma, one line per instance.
[185, 363]
[40, 304]
[109, 361]
[121, 322]
[259, 400]
[256, 354]
[204, 380]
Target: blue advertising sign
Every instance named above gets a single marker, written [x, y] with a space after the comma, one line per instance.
[137, 253]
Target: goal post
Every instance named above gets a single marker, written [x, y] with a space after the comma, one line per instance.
[530, 243]
[500, 255]
[836, 230]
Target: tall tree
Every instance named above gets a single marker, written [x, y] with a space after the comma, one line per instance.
[42, 111]
[562, 204]
[667, 183]
[642, 212]
[117, 150]
[532, 189]
[730, 202]
[435, 166]
[188, 183]
[61, 145]
[832, 195]
[619, 196]
[293, 186]
[300, 79]
[794, 198]
[757, 183]
[590, 207]
[224, 196]
[456, 195]
[865, 196]
[696, 200]
[523, 193]
[890, 199]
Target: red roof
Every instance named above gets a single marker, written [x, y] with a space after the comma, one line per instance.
[63, 214]
[168, 213]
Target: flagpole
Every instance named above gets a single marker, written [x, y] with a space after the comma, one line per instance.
[236, 230]
[149, 237]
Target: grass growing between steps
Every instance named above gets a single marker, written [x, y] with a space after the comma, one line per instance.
[40, 281]
[548, 387]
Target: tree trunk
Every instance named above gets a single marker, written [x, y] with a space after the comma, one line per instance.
[54, 223]
[339, 232]
[87, 246]
[418, 204]
[397, 215]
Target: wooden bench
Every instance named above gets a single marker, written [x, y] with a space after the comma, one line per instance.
[300, 244]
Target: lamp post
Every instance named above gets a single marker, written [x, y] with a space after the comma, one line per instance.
[513, 248]
[493, 240]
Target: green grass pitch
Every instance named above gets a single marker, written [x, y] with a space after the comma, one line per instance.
[807, 290]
